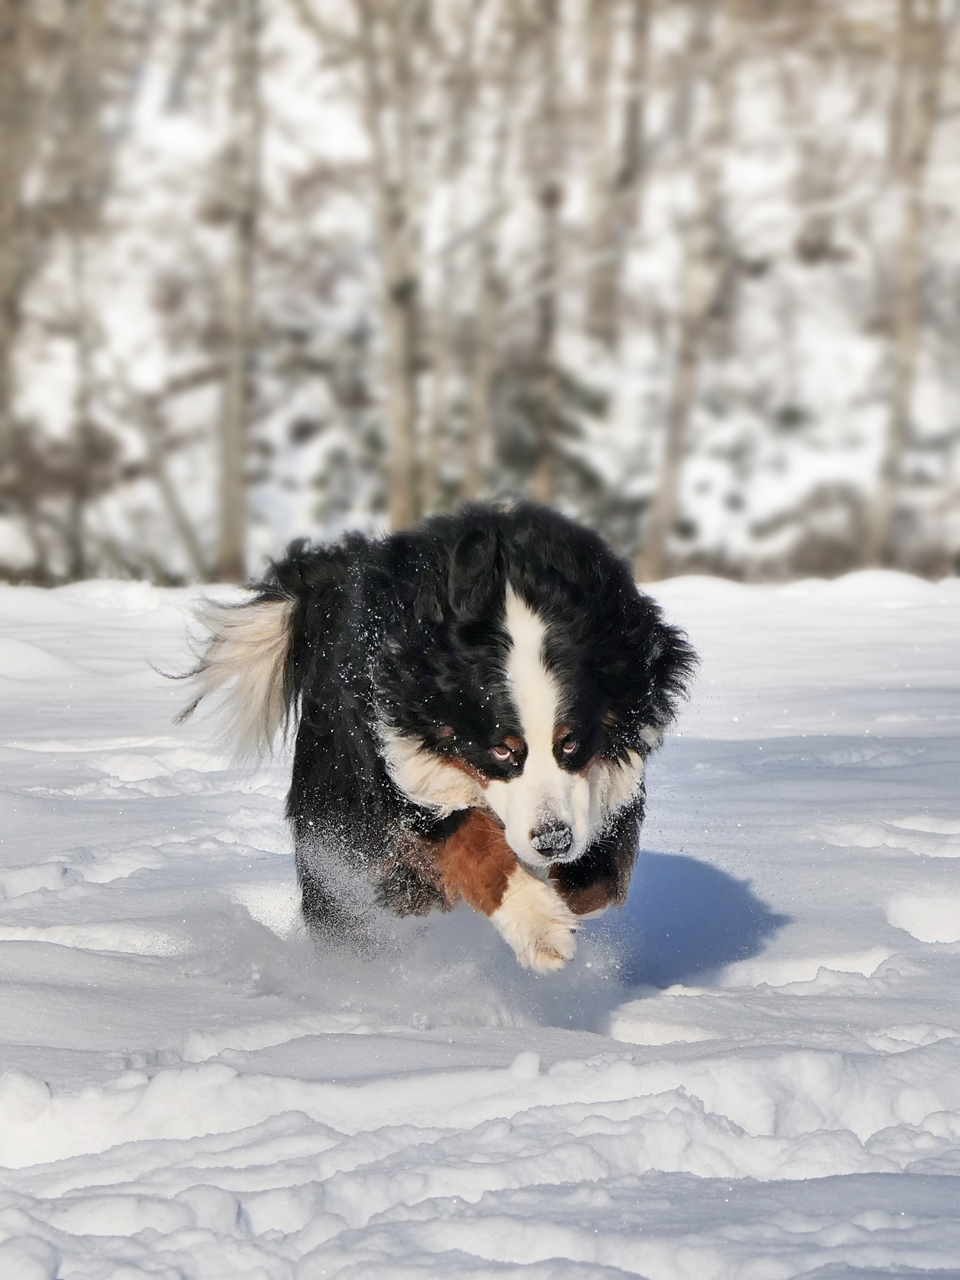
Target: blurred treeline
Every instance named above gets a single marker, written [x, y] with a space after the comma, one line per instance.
[689, 269]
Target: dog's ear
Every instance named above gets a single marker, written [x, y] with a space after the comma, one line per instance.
[669, 662]
[476, 567]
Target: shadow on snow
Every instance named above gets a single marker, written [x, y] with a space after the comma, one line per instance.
[685, 919]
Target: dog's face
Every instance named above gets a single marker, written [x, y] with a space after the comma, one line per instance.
[563, 781]
[538, 701]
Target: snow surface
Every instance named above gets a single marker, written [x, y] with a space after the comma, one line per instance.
[753, 1072]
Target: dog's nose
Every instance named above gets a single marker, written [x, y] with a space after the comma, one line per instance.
[556, 838]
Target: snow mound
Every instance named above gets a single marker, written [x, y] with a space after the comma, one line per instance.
[117, 596]
[941, 840]
[927, 918]
[20, 660]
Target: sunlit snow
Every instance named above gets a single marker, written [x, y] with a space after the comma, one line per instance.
[753, 1071]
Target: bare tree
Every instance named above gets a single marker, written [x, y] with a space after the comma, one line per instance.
[704, 250]
[618, 163]
[390, 90]
[243, 194]
[31, 49]
[600, 20]
[922, 41]
[16, 137]
[460, 74]
[547, 174]
[85, 165]
[507, 55]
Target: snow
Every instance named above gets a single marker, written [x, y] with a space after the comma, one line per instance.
[753, 1071]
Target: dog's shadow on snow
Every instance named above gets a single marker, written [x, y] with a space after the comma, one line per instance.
[683, 921]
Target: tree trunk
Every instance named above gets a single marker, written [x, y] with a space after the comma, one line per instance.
[86, 19]
[243, 185]
[548, 176]
[489, 299]
[456, 148]
[31, 65]
[701, 273]
[396, 225]
[82, 408]
[15, 128]
[478, 403]
[617, 189]
[694, 288]
[922, 39]
[600, 19]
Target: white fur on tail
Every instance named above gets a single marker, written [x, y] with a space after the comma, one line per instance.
[245, 658]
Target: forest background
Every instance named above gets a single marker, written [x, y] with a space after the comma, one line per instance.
[687, 269]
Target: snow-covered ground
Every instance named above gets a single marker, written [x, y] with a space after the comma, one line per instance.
[753, 1072]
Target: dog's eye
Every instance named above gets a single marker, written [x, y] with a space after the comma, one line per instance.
[569, 746]
[501, 752]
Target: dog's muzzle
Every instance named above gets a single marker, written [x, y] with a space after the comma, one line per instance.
[552, 840]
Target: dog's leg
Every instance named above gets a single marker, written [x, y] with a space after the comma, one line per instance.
[478, 865]
[601, 878]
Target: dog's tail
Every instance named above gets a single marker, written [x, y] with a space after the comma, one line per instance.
[250, 656]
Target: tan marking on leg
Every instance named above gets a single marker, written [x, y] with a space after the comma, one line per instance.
[476, 861]
[593, 898]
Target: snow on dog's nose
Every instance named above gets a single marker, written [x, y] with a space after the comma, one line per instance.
[553, 839]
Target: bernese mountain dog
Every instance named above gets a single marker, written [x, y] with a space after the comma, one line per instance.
[474, 701]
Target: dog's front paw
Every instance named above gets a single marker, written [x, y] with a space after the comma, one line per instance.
[536, 922]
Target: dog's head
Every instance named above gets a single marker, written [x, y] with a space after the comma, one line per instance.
[526, 673]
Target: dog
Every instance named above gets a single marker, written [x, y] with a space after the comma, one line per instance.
[474, 701]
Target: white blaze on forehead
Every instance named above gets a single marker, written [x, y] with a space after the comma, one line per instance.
[533, 690]
[543, 794]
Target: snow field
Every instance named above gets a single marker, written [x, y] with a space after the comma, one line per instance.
[753, 1071]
